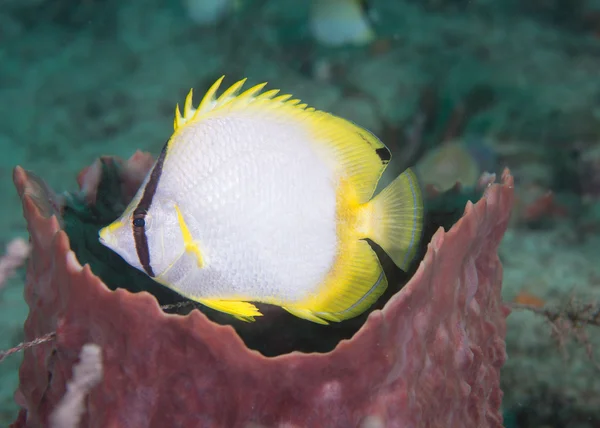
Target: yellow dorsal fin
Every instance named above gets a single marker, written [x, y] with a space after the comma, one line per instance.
[210, 98]
[231, 92]
[250, 93]
[188, 111]
[268, 94]
[188, 108]
[357, 154]
[360, 156]
[282, 98]
[232, 99]
[178, 121]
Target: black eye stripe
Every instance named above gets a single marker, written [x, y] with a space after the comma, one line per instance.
[139, 214]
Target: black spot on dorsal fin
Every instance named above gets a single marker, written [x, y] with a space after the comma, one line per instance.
[384, 154]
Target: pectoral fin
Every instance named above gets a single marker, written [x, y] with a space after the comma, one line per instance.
[191, 246]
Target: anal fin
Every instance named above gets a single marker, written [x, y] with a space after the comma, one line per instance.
[356, 284]
[243, 311]
[306, 314]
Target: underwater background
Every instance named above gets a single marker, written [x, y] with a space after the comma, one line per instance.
[454, 87]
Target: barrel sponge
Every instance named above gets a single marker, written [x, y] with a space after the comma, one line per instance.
[431, 357]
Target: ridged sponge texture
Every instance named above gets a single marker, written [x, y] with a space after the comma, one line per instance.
[430, 358]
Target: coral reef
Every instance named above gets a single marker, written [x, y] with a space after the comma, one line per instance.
[546, 382]
[431, 357]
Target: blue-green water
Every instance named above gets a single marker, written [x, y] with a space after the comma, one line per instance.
[517, 84]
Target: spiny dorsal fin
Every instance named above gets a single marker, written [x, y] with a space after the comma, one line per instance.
[210, 101]
[360, 154]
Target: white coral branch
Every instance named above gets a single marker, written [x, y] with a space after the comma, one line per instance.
[86, 374]
[17, 252]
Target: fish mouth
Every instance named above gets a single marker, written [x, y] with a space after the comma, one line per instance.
[105, 238]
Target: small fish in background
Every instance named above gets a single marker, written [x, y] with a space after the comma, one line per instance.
[341, 22]
[207, 12]
[529, 299]
[257, 197]
[448, 164]
[456, 161]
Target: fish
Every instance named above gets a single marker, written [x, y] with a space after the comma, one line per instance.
[258, 197]
[208, 12]
[341, 22]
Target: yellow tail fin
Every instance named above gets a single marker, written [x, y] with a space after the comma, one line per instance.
[396, 219]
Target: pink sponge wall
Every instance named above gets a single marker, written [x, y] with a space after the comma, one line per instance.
[430, 358]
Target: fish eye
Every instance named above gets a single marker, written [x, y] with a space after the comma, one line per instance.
[142, 220]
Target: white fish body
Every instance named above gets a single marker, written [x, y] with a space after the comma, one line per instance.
[250, 202]
[264, 209]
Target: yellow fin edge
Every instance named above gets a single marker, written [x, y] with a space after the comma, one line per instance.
[243, 311]
[356, 280]
[354, 285]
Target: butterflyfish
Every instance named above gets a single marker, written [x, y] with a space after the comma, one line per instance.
[341, 22]
[207, 12]
[257, 197]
